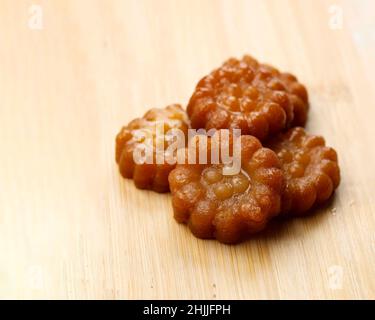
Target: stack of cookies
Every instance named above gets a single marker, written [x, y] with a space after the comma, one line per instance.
[284, 171]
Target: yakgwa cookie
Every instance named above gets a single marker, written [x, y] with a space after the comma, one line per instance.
[310, 168]
[245, 94]
[228, 207]
[146, 133]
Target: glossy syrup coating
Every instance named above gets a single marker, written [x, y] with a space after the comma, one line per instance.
[228, 207]
[151, 176]
[254, 97]
[311, 170]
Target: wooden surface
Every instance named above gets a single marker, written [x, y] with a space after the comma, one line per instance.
[71, 227]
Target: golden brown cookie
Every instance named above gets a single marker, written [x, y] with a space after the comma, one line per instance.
[228, 207]
[146, 132]
[311, 170]
[245, 94]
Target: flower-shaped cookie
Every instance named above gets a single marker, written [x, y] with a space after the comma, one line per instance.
[254, 97]
[310, 168]
[147, 133]
[228, 207]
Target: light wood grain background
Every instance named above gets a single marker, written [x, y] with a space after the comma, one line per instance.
[71, 227]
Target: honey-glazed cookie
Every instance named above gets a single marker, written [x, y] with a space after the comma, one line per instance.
[310, 168]
[245, 94]
[146, 132]
[228, 207]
